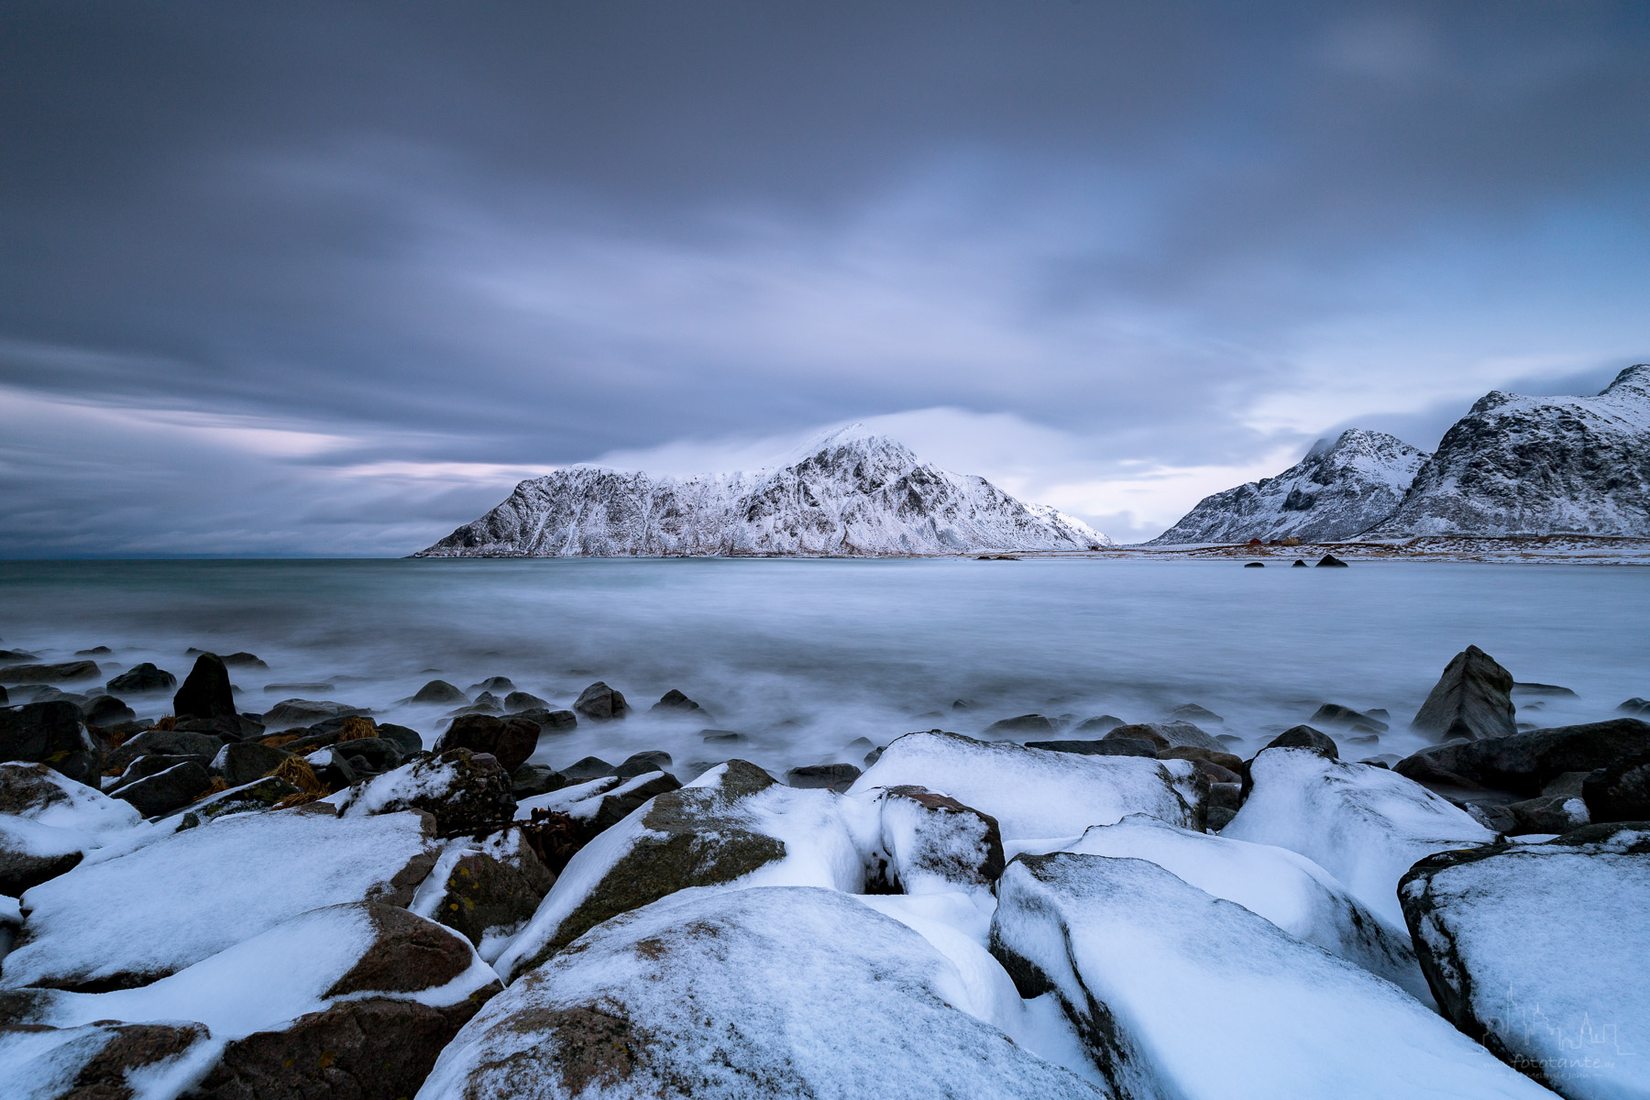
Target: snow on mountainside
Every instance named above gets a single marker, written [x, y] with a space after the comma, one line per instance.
[1538, 465]
[852, 493]
[1337, 491]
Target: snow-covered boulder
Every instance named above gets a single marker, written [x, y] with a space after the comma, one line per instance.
[1364, 825]
[49, 822]
[485, 890]
[1283, 886]
[936, 844]
[1539, 950]
[1037, 794]
[600, 803]
[466, 793]
[345, 1000]
[733, 826]
[1179, 994]
[768, 992]
[173, 902]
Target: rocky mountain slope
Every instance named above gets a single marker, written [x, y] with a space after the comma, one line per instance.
[853, 493]
[1339, 490]
[1538, 465]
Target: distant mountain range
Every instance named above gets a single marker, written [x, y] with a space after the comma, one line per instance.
[1512, 466]
[853, 493]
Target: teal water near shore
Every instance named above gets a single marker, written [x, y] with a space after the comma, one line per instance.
[806, 655]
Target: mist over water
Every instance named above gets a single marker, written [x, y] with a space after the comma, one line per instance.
[804, 656]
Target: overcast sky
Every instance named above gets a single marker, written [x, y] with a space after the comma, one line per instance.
[290, 278]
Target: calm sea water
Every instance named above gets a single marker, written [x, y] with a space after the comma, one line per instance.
[806, 656]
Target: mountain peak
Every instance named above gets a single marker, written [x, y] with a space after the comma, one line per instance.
[1634, 380]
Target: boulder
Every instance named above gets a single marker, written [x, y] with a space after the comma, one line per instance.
[512, 740]
[245, 762]
[205, 692]
[533, 779]
[1285, 887]
[1531, 948]
[61, 673]
[289, 713]
[1636, 706]
[168, 790]
[1473, 699]
[1034, 794]
[1166, 735]
[1524, 763]
[1026, 724]
[734, 826]
[89, 1062]
[49, 822]
[1100, 724]
[517, 701]
[588, 767]
[495, 684]
[598, 701]
[485, 890]
[674, 700]
[835, 777]
[51, 734]
[161, 742]
[640, 763]
[1362, 824]
[935, 844]
[465, 792]
[551, 721]
[1333, 714]
[1619, 791]
[1192, 712]
[1330, 561]
[142, 679]
[190, 895]
[106, 710]
[722, 737]
[788, 991]
[1176, 993]
[439, 691]
[230, 727]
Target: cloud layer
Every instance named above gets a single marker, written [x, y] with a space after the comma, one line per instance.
[311, 279]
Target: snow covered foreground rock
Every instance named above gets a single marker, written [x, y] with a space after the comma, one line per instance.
[1179, 994]
[853, 493]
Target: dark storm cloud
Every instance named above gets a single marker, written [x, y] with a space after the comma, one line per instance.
[424, 248]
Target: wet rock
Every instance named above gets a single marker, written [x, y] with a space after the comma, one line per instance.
[1331, 561]
[1254, 565]
[230, 727]
[589, 767]
[291, 713]
[439, 691]
[722, 737]
[1636, 706]
[142, 680]
[517, 701]
[1191, 712]
[1032, 725]
[1333, 714]
[550, 721]
[1524, 763]
[512, 740]
[1298, 564]
[615, 805]
[1619, 791]
[640, 763]
[1473, 699]
[206, 692]
[106, 710]
[1529, 948]
[1547, 814]
[50, 734]
[534, 779]
[1166, 735]
[61, 673]
[495, 685]
[600, 702]
[161, 742]
[244, 762]
[835, 777]
[1543, 690]
[1109, 746]
[1102, 724]
[15, 656]
[465, 792]
[493, 885]
[1305, 737]
[674, 700]
[166, 791]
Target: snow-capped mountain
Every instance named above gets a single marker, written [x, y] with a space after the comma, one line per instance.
[852, 493]
[1539, 465]
[1339, 490]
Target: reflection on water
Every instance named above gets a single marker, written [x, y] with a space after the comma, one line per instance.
[805, 656]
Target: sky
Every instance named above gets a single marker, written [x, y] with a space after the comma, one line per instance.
[329, 279]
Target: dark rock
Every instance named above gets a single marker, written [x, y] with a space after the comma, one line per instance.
[439, 691]
[590, 767]
[1524, 763]
[1219, 758]
[158, 742]
[1109, 746]
[628, 798]
[1023, 725]
[524, 700]
[495, 684]
[142, 679]
[1298, 564]
[1101, 724]
[550, 721]
[1163, 735]
[145, 766]
[467, 793]
[722, 737]
[233, 660]
[1331, 561]
[95, 651]
[535, 779]
[406, 740]
[241, 763]
[13, 656]
[289, 713]
[1254, 565]
[1191, 712]
[260, 794]
[499, 884]
[1305, 737]
[166, 791]
[674, 700]
[512, 740]
[1619, 791]
[835, 777]
[1547, 814]
[4, 697]
[205, 692]
[1635, 705]
[1333, 714]
[230, 727]
[50, 734]
[301, 687]
[23, 867]
[640, 763]
[1473, 699]
[599, 702]
[1543, 689]
[49, 674]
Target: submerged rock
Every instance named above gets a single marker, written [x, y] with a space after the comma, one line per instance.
[835, 777]
[1178, 994]
[439, 691]
[674, 700]
[1019, 726]
[1473, 699]
[141, 680]
[206, 692]
[701, 995]
[1534, 948]
[60, 673]
[599, 702]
